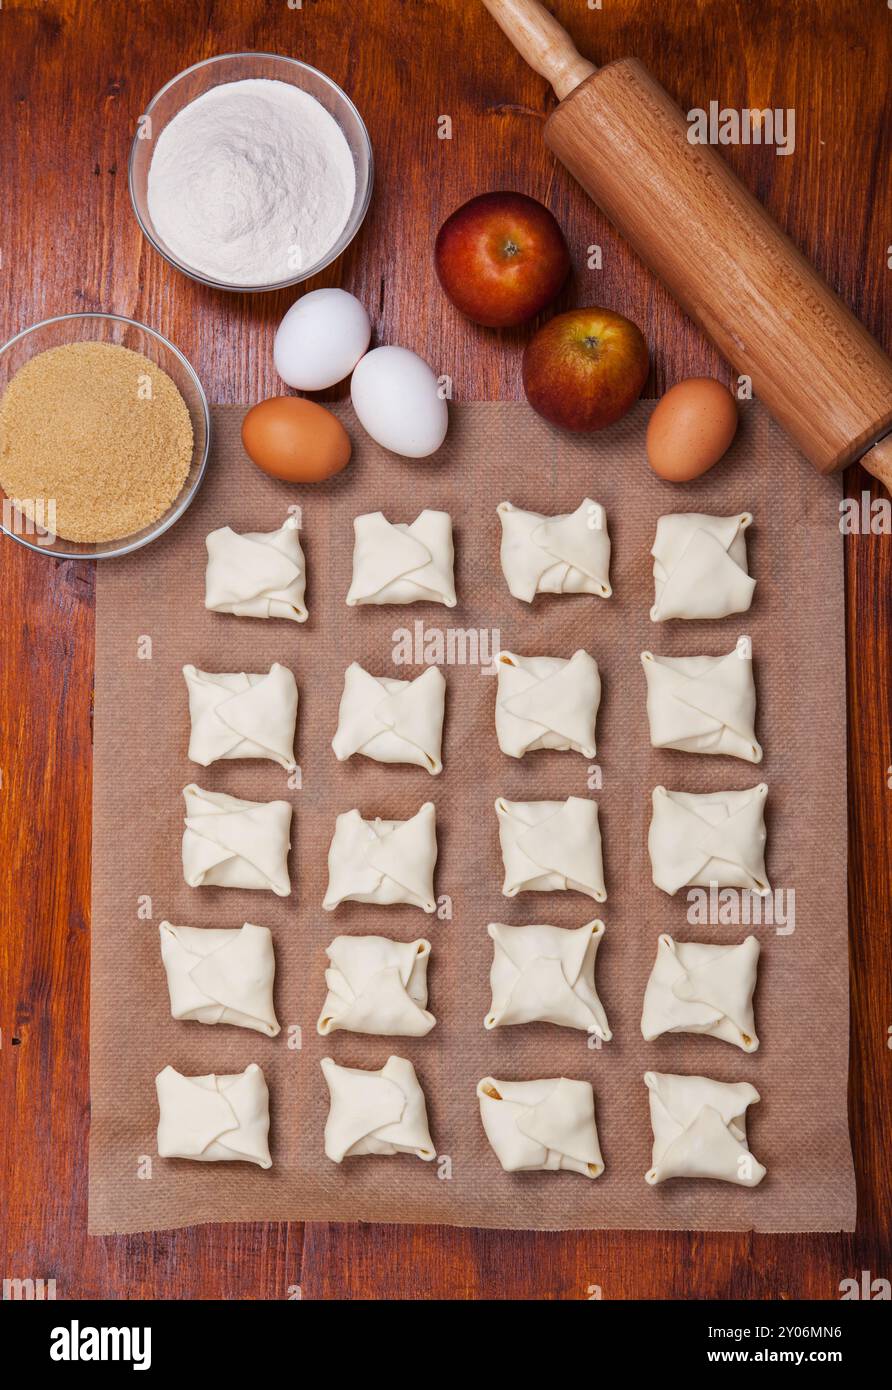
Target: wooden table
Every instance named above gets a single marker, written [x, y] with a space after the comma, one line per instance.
[77, 75]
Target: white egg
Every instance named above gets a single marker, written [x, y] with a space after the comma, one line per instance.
[398, 402]
[321, 339]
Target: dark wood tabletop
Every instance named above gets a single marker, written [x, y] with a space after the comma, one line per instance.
[76, 77]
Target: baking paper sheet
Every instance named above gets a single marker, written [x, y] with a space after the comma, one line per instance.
[151, 621]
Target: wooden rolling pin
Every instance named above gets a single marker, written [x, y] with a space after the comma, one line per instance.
[716, 249]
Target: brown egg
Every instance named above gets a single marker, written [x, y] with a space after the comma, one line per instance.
[295, 439]
[690, 429]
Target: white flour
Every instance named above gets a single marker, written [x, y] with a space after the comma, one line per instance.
[251, 182]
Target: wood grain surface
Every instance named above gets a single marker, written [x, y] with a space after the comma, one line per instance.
[76, 76]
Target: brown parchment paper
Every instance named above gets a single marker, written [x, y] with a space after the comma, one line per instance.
[495, 451]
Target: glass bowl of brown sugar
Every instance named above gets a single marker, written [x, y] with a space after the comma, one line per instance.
[104, 436]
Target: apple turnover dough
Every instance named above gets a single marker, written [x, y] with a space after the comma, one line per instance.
[261, 574]
[400, 563]
[698, 987]
[699, 1128]
[543, 974]
[383, 861]
[536, 1126]
[705, 838]
[221, 976]
[551, 845]
[567, 554]
[703, 704]
[376, 985]
[242, 716]
[700, 566]
[230, 843]
[547, 702]
[392, 721]
[376, 1112]
[214, 1119]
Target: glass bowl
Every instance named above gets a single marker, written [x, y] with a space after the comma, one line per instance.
[235, 67]
[107, 328]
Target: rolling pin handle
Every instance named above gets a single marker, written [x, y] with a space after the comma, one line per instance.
[542, 42]
[878, 461]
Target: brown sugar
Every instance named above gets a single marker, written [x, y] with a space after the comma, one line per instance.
[96, 438]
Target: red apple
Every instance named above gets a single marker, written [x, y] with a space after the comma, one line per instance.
[501, 258]
[584, 369]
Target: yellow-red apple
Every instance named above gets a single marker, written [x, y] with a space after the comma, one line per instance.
[584, 369]
[501, 258]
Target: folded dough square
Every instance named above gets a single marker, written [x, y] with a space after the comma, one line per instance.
[214, 1119]
[376, 985]
[700, 566]
[536, 1126]
[261, 574]
[230, 843]
[706, 838]
[383, 861]
[547, 702]
[398, 563]
[698, 987]
[376, 1112]
[548, 846]
[543, 974]
[221, 976]
[242, 716]
[699, 1128]
[566, 554]
[392, 721]
[703, 704]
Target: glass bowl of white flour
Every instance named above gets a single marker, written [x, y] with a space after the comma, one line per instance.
[250, 171]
